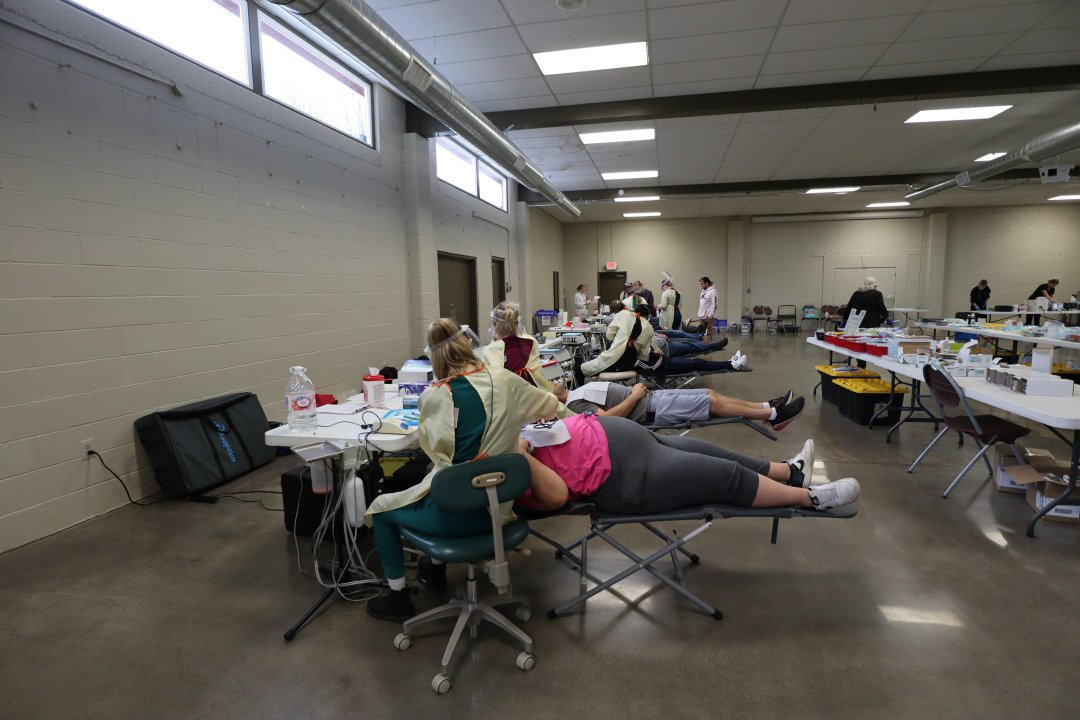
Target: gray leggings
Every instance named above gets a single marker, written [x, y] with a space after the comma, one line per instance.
[659, 473]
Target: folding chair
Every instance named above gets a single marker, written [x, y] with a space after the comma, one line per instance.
[787, 318]
[674, 544]
[987, 430]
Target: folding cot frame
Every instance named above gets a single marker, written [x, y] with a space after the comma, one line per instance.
[601, 525]
[679, 381]
[688, 425]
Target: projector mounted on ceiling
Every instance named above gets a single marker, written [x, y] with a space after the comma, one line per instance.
[1054, 173]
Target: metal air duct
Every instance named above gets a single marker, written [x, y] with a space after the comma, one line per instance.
[1055, 142]
[356, 28]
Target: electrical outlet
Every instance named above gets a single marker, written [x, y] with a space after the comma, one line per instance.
[87, 445]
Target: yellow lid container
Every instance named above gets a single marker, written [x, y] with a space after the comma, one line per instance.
[861, 386]
[856, 373]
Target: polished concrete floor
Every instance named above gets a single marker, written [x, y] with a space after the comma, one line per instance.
[919, 607]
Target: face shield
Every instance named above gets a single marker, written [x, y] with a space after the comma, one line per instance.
[465, 330]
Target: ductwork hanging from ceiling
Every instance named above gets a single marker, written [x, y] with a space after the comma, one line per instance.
[1051, 144]
[357, 29]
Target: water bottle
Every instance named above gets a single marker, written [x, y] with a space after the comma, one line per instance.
[300, 401]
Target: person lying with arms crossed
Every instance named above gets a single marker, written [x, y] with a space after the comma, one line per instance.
[670, 407]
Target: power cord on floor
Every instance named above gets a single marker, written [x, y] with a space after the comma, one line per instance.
[130, 500]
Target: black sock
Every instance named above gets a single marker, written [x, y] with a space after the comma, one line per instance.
[796, 479]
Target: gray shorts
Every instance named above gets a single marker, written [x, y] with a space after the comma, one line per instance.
[675, 406]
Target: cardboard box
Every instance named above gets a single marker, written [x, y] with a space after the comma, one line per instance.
[1023, 476]
[1002, 461]
[1044, 461]
[1040, 494]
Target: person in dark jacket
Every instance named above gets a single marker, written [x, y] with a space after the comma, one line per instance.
[870, 299]
[980, 294]
[1045, 293]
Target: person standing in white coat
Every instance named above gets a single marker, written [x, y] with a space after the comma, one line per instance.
[707, 304]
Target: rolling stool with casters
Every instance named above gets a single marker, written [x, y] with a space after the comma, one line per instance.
[469, 486]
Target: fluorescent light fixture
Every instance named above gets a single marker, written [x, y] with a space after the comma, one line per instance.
[1066, 197]
[630, 175]
[638, 198]
[901, 203]
[602, 57]
[949, 114]
[989, 156]
[923, 617]
[819, 217]
[614, 136]
[831, 191]
[642, 214]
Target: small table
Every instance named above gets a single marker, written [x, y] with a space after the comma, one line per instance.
[912, 373]
[908, 312]
[347, 431]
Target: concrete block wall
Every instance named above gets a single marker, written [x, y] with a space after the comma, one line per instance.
[686, 249]
[1015, 248]
[158, 249]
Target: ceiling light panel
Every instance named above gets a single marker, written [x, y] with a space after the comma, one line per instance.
[989, 156]
[618, 136]
[832, 190]
[630, 175]
[953, 114]
[900, 203]
[602, 57]
[1066, 197]
[640, 214]
[639, 198]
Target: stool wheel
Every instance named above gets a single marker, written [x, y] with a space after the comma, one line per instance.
[441, 684]
[402, 641]
[525, 661]
[523, 613]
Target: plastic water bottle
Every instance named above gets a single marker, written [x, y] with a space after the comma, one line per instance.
[300, 401]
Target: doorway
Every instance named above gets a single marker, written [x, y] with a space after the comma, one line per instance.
[610, 286]
[457, 288]
[498, 280]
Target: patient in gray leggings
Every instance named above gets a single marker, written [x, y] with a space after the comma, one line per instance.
[626, 469]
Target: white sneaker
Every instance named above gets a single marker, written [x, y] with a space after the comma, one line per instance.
[805, 462]
[738, 360]
[830, 495]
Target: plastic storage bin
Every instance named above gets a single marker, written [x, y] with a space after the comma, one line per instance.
[829, 373]
[859, 399]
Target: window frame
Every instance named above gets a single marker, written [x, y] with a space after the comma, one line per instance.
[479, 165]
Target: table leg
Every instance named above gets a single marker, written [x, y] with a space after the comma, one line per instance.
[1068, 490]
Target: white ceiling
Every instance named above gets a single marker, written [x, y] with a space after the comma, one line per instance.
[484, 48]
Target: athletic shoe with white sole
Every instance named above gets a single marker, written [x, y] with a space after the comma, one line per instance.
[804, 462]
[842, 492]
[738, 360]
[782, 400]
[786, 414]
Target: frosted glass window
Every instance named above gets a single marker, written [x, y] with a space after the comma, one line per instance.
[302, 78]
[455, 165]
[492, 186]
[210, 32]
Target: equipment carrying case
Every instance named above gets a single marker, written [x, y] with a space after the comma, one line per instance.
[199, 446]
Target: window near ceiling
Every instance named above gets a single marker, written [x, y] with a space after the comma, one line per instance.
[492, 186]
[462, 169]
[299, 76]
[210, 32]
[214, 33]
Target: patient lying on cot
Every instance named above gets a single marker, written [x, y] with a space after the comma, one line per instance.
[670, 407]
[625, 469]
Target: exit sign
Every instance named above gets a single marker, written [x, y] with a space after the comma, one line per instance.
[611, 265]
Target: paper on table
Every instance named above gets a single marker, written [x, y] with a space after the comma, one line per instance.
[349, 408]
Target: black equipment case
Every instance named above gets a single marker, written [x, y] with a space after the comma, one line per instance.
[199, 446]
